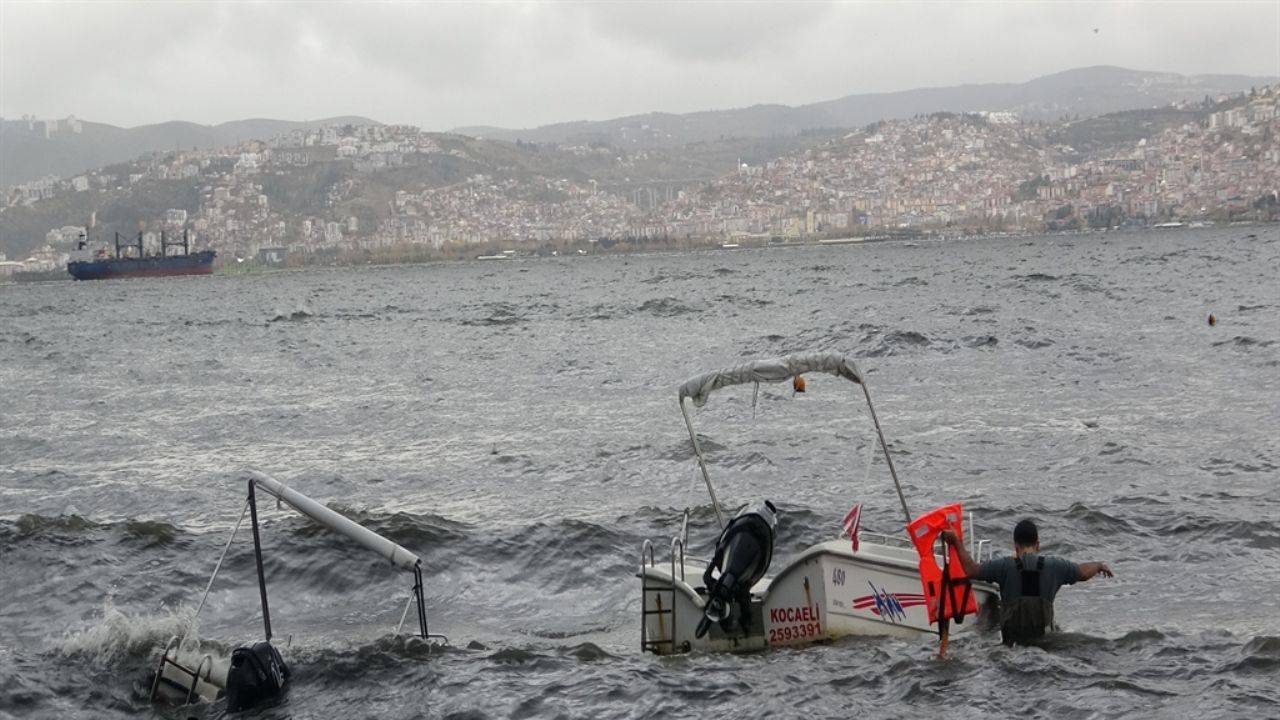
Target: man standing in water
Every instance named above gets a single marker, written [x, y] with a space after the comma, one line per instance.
[1028, 582]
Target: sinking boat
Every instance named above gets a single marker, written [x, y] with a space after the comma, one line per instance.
[869, 584]
[256, 674]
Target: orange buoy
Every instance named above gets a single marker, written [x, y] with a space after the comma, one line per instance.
[1213, 319]
[797, 383]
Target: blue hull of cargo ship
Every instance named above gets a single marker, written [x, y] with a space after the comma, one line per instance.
[200, 263]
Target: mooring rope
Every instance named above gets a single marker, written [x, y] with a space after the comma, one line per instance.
[221, 557]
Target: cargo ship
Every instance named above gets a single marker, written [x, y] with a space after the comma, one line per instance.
[100, 264]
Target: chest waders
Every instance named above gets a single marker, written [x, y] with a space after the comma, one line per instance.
[1026, 619]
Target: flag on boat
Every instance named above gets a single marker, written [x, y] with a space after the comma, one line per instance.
[851, 523]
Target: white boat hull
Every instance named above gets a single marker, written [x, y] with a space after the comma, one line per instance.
[827, 592]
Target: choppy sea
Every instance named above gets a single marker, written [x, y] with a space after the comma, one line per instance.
[515, 423]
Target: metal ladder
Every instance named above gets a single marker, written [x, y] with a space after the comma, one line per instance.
[657, 593]
[188, 693]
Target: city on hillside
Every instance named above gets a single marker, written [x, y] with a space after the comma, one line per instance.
[353, 193]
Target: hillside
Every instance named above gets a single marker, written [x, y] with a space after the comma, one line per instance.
[1084, 92]
[345, 192]
[27, 154]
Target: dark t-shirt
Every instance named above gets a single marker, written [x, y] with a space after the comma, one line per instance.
[1004, 572]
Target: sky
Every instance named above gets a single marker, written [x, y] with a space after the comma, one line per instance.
[441, 65]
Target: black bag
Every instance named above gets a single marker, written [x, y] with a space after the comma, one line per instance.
[257, 674]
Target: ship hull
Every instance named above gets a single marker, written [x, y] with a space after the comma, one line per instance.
[200, 263]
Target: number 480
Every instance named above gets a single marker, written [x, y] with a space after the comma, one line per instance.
[837, 576]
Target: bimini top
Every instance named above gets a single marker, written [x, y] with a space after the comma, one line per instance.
[773, 370]
[336, 522]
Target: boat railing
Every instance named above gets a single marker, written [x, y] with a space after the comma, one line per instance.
[170, 658]
[684, 535]
[982, 546]
[886, 539]
[647, 557]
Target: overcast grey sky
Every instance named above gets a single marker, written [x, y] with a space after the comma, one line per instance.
[442, 65]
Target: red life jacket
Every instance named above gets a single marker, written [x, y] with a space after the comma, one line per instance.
[954, 590]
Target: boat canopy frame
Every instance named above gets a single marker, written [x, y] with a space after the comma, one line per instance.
[394, 553]
[698, 390]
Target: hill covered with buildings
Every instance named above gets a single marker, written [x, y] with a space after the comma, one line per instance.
[353, 192]
[33, 148]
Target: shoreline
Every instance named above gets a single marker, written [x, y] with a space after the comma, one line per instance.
[624, 249]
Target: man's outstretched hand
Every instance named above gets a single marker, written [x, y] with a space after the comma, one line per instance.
[1090, 569]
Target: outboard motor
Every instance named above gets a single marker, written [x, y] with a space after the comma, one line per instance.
[257, 675]
[742, 556]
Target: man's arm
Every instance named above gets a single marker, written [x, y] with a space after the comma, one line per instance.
[1089, 569]
[966, 561]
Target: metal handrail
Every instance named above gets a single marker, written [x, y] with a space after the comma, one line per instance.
[195, 677]
[164, 658]
[675, 542]
[891, 539]
[684, 529]
[644, 594]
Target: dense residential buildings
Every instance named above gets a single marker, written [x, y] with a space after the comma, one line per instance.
[352, 189]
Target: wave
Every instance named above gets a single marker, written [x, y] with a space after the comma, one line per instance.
[666, 307]
[1033, 343]
[74, 529]
[664, 276]
[740, 301]
[600, 311]
[150, 532]
[1244, 342]
[499, 314]
[298, 315]
[64, 526]
[895, 342]
[892, 343]
[24, 339]
[115, 635]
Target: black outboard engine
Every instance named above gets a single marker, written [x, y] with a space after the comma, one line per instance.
[743, 554]
[257, 675]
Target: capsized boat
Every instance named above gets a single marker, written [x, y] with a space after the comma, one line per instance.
[256, 674]
[827, 591]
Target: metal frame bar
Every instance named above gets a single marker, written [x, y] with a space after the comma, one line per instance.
[422, 608]
[257, 556]
[419, 593]
[645, 549]
[884, 446]
[702, 463]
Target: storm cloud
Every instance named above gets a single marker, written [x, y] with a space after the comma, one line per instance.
[443, 65]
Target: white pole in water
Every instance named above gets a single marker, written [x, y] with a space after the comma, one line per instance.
[885, 446]
[702, 463]
[334, 521]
